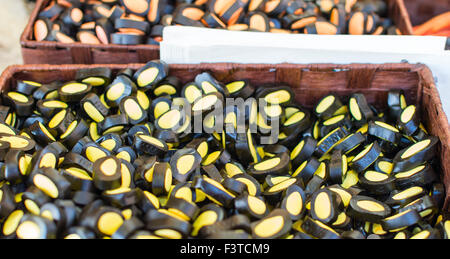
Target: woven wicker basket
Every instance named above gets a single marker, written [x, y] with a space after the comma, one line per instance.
[309, 82]
[46, 52]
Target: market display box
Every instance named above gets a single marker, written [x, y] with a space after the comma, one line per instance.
[309, 82]
[48, 52]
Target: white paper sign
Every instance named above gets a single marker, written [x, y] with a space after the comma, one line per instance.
[190, 45]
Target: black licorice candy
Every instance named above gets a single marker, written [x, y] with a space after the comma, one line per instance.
[274, 225]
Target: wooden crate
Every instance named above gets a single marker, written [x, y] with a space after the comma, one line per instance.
[309, 82]
[49, 52]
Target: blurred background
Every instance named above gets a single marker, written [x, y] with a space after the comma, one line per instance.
[14, 15]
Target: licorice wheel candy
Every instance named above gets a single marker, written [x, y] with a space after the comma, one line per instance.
[425, 206]
[377, 183]
[171, 120]
[188, 14]
[185, 209]
[252, 206]
[87, 37]
[298, 122]
[414, 155]
[72, 159]
[104, 220]
[113, 124]
[35, 227]
[49, 108]
[277, 165]
[272, 180]
[366, 157]
[146, 144]
[41, 133]
[21, 103]
[96, 77]
[128, 227]
[184, 162]
[383, 165]
[51, 183]
[169, 228]
[15, 166]
[359, 23]
[27, 87]
[214, 191]
[306, 170]
[396, 103]
[422, 175]
[107, 173]
[169, 86]
[11, 223]
[110, 141]
[121, 197]
[337, 166]
[281, 95]
[209, 84]
[126, 25]
[238, 27]
[212, 21]
[253, 186]
[46, 91]
[42, 29]
[322, 28]
[94, 108]
[325, 206]
[151, 74]
[104, 29]
[299, 21]
[444, 227]
[140, 7]
[60, 122]
[147, 201]
[400, 220]
[127, 38]
[345, 194]
[275, 225]
[273, 194]
[73, 91]
[365, 208]
[232, 12]
[78, 178]
[405, 196]
[294, 202]
[7, 201]
[208, 215]
[72, 17]
[18, 142]
[120, 88]
[131, 107]
[162, 178]
[234, 186]
[409, 121]
[245, 145]
[426, 234]
[328, 142]
[359, 109]
[338, 17]
[56, 214]
[318, 229]
[342, 120]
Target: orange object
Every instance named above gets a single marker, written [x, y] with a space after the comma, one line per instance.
[442, 33]
[434, 25]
